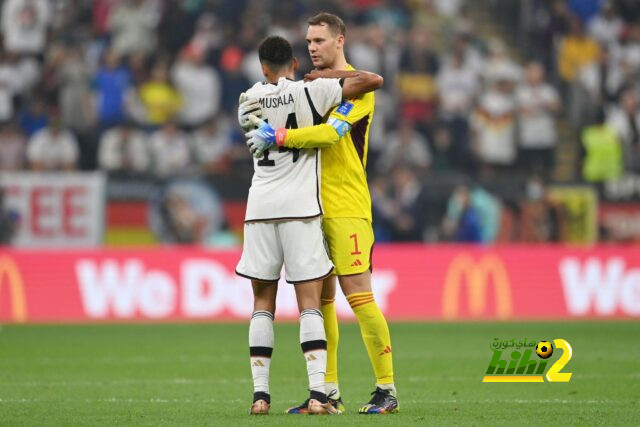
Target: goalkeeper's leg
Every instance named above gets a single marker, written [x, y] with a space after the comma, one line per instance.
[377, 340]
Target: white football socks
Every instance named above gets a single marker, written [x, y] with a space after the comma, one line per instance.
[260, 349]
[313, 341]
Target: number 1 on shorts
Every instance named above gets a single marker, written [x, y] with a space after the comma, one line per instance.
[355, 242]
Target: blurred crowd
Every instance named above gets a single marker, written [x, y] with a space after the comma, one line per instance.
[150, 87]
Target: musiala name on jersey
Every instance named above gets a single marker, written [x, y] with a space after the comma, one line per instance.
[276, 102]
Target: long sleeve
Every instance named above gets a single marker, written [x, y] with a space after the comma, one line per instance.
[319, 136]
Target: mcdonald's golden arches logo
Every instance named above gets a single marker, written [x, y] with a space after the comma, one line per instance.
[10, 275]
[476, 275]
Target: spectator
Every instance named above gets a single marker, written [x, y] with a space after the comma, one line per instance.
[449, 8]
[443, 152]
[133, 24]
[541, 217]
[607, 26]
[624, 75]
[234, 81]
[76, 104]
[629, 10]
[550, 24]
[186, 223]
[101, 11]
[12, 149]
[625, 120]
[576, 51]
[138, 69]
[462, 221]
[599, 80]
[537, 102]
[49, 82]
[603, 151]
[494, 123]
[416, 80]
[75, 96]
[123, 149]
[24, 25]
[471, 56]
[199, 86]
[399, 206]
[170, 150]
[410, 203]
[111, 83]
[405, 147]
[382, 208]
[385, 114]
[177, 24]
[26, 72]
[159, 98]
[189, 212]
[458, 87]
[585, 9]
[370, 51]
[482, 224]
[498, 63]
[53, 148]
[9, 86]
[208, 33]
[33, 117]
[211, 147]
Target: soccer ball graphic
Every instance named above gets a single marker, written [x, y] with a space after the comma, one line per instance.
[544, 349]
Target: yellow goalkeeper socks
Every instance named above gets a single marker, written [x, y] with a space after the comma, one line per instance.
[375, 334]
[328, 308]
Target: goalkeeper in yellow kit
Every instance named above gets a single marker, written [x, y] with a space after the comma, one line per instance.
[347, 211]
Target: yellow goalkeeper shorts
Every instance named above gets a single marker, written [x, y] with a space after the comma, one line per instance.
[350, 242]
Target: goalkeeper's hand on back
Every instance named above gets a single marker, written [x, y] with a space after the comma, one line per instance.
[263, 137]
[246, 107]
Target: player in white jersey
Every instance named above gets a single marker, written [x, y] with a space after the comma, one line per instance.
[284, 214]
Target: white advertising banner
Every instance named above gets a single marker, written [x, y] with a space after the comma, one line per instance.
[56, 209]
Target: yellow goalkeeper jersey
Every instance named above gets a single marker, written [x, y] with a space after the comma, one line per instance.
[345, 193]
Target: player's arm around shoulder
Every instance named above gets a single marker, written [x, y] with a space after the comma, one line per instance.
[354, 82]
[357, 88]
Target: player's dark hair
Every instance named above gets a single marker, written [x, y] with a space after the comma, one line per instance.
[333, 22]
[275, 52]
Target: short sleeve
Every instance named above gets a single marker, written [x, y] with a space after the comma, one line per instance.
[324, 94]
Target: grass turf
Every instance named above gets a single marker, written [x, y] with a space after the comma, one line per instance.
[198, 374]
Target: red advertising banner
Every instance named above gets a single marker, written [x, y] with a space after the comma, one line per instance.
[411, 282]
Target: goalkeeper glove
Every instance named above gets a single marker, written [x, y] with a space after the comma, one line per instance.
[263, 137]
[246, 107]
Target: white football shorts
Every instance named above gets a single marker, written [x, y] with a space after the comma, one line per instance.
[298, 244]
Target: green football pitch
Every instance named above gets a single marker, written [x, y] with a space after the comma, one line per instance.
[198, 374]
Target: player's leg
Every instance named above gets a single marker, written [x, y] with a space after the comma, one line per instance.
[351, 242]
[377, 340]
[328, 308]
[261, 262]
[261, 340]
[313, 342]
[307, 264]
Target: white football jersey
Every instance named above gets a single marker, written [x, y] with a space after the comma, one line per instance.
[286, 182]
